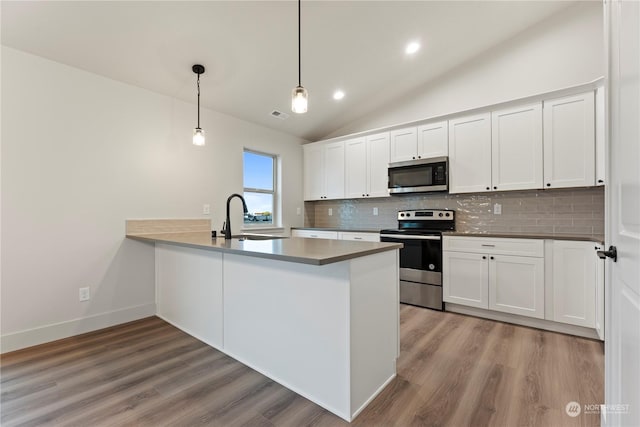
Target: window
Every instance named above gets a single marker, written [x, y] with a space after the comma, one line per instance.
[260, 188]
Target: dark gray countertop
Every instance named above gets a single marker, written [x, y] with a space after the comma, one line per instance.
[346, 230]
[596, 239]
[304, 251]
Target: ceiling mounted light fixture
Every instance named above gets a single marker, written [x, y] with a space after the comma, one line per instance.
[412, 48]
[198, 133]
[300, 96]
[338, 95]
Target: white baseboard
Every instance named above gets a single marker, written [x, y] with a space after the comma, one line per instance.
[547, 325]
[56, 331]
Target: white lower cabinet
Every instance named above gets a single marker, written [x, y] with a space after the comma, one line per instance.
[575, 271]
[504, 275]
[357, 236]
[465, 279]
[315, 234]
[337, 235]
[555, 280]
[516, 285]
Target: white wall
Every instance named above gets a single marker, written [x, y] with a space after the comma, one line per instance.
[564, 50]
[80, 154]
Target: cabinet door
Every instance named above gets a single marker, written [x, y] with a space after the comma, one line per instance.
[569, 141]
[574, 283]
[601, 169]
[315, 234]
[378, 164]
[334, 170]
[404, 144]
[433, 140]
[470, 154]
[599, 293]
[516, 148]
[516, 285]
[313, 172]
[361, 237]
[355, 154]
[465, 279]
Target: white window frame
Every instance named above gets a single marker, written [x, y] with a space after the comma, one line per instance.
[275, 213]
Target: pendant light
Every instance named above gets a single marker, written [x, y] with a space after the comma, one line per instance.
[300, 96]
[198, 133]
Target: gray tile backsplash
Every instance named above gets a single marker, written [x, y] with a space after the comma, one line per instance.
[578, 211]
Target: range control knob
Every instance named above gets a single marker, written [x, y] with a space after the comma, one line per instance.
[447, 214]
[402, 214]
[408, 214]
[440, 214]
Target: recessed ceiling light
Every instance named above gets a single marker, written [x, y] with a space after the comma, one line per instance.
[412, 48]
[338, 95]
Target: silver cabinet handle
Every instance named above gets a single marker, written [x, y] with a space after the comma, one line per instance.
[357, 238]
[488, 246]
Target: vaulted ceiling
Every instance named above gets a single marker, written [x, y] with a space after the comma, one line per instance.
[250, 48]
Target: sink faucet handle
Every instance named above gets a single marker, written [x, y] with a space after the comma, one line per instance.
[224, 226]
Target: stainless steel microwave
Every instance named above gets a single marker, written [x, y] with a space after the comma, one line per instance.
[419, 176]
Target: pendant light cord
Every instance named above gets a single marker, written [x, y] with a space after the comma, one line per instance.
[299, 59]
[198, 100]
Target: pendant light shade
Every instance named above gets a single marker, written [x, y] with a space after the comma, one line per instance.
[299, 100]
[198, 132]
[299, 96]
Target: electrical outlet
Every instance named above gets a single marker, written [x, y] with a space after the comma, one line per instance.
[330, 212]
[497, 209]
[206, 209]
[375, 211]
[84, 294]
[298, 211]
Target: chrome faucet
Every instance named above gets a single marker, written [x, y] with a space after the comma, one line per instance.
[227, 224]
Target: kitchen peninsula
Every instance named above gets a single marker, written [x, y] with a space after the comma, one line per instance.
[318, 316]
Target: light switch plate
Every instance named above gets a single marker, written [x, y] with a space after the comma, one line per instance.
[497, 209]
[206, 209]
[330, 212]
[375, 211]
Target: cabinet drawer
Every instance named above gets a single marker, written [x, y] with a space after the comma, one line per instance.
[315, 234]
[494, 245]
[363, 237]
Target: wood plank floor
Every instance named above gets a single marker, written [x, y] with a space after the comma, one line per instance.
[454, 370]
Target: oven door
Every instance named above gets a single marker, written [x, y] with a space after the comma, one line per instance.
[420, 269]
[420, 258]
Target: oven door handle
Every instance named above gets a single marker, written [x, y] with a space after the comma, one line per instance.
[411, 237]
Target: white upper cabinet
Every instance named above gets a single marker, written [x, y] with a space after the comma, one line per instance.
[470, 154]
[404, 144]
[433, 140]
[601, 169]
[324, 171]
[378, 147]
[334, 170]
[313, 171]
[355, 152]
[367, 161]
[516, 148]
[569, 141]
[424, 142]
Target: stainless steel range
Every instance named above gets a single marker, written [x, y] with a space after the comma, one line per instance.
[421, 258]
